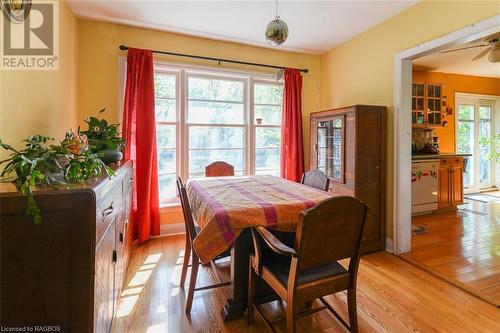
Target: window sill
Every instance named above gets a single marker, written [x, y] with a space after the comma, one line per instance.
[170, 205]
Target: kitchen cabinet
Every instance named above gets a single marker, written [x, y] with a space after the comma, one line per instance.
[427, 108]
[348, 145]
[451, 191]
[67, 272]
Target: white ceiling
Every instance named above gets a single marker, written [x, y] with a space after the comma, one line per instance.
[315, 26]
[459, 62]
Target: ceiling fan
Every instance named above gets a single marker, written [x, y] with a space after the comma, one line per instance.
[492, 45]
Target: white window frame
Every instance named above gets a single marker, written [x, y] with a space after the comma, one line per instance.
[253, 122]
[182, 73]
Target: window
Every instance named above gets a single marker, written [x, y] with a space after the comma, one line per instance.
[204, 117]
[216, 123]
[166, 132]
[267, 109]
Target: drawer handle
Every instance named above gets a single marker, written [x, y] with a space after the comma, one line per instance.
[107, 211]
[121, 237]
[115, 256]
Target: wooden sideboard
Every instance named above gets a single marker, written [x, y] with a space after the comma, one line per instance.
[67, 272]
[348, 145]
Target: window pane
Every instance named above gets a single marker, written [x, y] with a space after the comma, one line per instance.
[267, 137]
[465, 137]
[165, 109]
[199, 159]
[267, 158]
[200, 112]
[466, 112]
[165, 86]
[484, 112]
[204, 137]
[214, 89]
[484, 151]
[165, 136]
[268, 94]
[268, 114]
[167, 186]
[166, 161]
[267, 152]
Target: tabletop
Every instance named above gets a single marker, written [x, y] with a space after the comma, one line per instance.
[224, 206]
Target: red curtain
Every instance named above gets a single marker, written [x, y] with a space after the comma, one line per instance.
[292, 159]
[139, 129]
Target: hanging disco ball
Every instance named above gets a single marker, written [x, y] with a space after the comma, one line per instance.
[276, 31]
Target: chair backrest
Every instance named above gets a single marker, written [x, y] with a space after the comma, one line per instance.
[316, 179]
[186, 210]
[219, 169]
[330, 231]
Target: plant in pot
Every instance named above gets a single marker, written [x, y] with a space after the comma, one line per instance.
[40, 164]
[104, 139]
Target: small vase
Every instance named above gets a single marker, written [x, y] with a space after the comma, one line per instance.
[109, 156]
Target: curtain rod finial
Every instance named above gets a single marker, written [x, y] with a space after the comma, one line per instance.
[123, 47]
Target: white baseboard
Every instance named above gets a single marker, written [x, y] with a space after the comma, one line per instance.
[172, 229]
[389, 247]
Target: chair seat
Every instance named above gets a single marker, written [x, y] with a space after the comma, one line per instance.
[280, 266]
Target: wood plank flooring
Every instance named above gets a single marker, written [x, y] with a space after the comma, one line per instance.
[393, 296]
[462, 247]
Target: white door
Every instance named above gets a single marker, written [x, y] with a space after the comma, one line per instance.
[475, 122]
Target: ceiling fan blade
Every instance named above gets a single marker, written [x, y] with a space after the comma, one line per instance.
[464, 48]
[482, 54]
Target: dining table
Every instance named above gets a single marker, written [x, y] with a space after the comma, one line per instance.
[225, 208]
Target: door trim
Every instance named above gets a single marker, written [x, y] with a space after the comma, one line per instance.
[401, 220]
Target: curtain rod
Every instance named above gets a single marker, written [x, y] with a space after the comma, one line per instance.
[303, 70]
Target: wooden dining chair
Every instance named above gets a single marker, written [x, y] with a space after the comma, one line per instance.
[316, 179]
[219, 169]
[192, 231]
[326, 233]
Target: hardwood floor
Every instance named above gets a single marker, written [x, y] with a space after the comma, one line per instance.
[462, 247]
[393, 296]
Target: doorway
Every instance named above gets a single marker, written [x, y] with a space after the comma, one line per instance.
[401, 242]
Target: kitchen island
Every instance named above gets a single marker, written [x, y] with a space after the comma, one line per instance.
[437, 181]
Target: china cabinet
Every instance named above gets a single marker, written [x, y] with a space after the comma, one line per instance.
[348, 145]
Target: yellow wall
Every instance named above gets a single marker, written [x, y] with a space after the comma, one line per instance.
[42, 102]
[452, 84]
[361, 71]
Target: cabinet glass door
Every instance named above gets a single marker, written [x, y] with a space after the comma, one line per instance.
[330, 147]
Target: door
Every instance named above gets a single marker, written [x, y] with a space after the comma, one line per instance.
[475, 126]
[330, 147]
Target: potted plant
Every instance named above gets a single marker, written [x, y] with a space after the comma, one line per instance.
[42, 165]
[104, 139]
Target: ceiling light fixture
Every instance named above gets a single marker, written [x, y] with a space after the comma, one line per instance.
[277, 30]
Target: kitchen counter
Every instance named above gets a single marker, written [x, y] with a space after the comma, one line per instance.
[423, 156]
